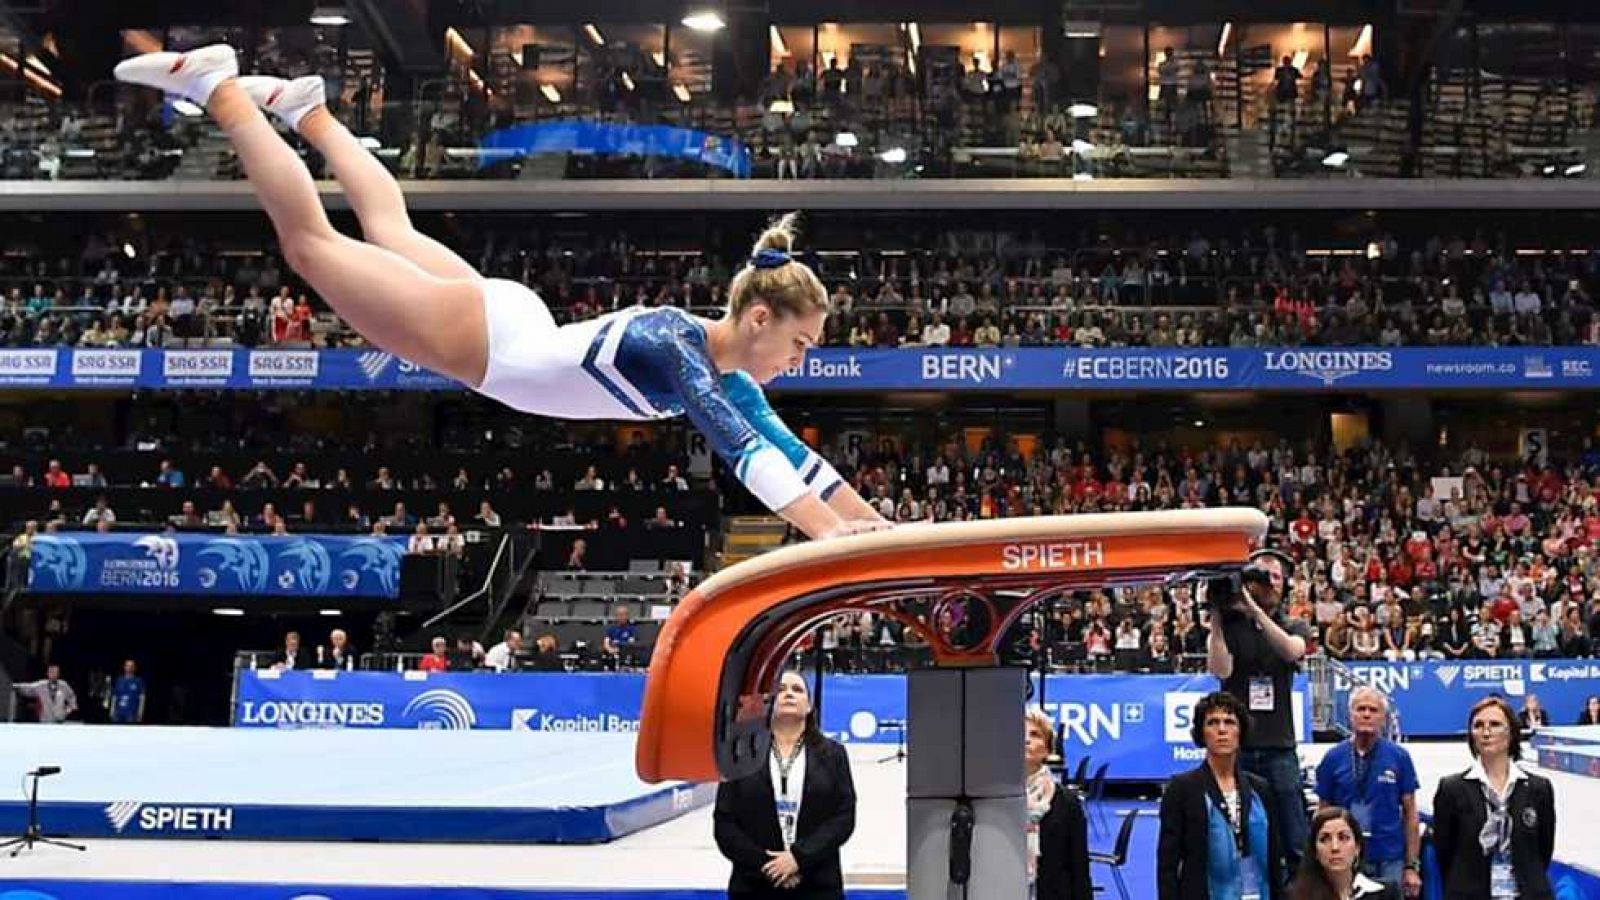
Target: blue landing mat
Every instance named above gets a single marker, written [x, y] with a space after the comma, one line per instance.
[412, 786]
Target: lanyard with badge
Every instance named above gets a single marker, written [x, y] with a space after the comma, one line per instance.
[788, 806]
[1249, 878]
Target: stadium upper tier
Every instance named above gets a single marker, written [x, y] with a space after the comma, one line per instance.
[1042, 94]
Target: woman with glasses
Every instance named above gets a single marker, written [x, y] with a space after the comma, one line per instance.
[1495, 824]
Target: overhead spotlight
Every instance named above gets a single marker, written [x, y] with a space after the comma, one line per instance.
[681, 91]
[330, 14]
[550, 92]
[369, 142]
[227, 611]
[704, 20]
[38, 63]
[627, 81]
[329, 612]
[1199, 423]
[783, 106]
[1083, 110]
[847, 139]
[593, 34]
[1082, 147]
[1336, 159]
[187, 108]
[1549, 169]
[1576, 169]
[128, 251]
[893, 156]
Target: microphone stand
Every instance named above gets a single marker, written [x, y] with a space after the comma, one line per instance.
[33, 834]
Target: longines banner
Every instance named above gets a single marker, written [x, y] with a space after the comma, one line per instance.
[908, 369]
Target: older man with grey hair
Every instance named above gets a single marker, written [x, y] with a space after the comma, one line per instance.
[55, 697]
[1376, 780]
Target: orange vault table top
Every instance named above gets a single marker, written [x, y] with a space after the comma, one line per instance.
[958, 586]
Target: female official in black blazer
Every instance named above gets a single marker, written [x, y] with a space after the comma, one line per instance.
[1591, 711]
[1494, 822]
[1058, 832]
[1196, 801]
[783, 826]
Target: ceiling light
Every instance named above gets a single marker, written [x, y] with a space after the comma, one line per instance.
[681, 91]
[550, 92]
[1222, 43]
[1577, 169]
[128, 251]
[779, 48]
[227, 611]
[329, 612]
[330, 15]
[38, 63]
[704, 20]
[593, 34]
[627, 81]
[1083, 110]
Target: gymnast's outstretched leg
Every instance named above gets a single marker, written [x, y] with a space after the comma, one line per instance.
[434, 322]
[373, 193]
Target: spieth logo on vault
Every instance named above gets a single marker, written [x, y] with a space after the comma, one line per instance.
[107, 363]
[131, 815]
[197, 363]
[1051, 556]
[284, 363]
[1328, 366]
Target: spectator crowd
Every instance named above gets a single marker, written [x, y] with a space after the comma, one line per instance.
[1259, 288]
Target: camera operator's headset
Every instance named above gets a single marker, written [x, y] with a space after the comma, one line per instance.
[1256, 569]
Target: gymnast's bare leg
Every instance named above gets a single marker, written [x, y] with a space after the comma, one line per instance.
[372, 191]
[435, 322]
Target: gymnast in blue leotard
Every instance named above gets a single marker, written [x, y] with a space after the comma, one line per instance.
[416, 298]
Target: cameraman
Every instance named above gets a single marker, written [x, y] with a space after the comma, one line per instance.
[1256, 654]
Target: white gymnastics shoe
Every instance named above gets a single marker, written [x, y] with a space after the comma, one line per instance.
[288, 100]
[192, 75]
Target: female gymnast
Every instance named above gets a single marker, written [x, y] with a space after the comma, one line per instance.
[413, 297]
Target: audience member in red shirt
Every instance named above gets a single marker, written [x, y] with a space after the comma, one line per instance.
[439, 659]
[55, 476]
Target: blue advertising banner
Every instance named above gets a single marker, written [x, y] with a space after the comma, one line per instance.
[61, 367]
[840, 369]
[1433, 698]
[574, 136]
[1293, 369]
[321, 566]
[1143, 733]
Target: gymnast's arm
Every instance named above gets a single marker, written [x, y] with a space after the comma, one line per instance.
[759, 466]
[819, 476]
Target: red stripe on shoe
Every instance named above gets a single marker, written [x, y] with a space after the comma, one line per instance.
[276, 93]
[178, 64]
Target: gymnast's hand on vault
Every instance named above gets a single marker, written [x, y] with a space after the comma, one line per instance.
[859, 526]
